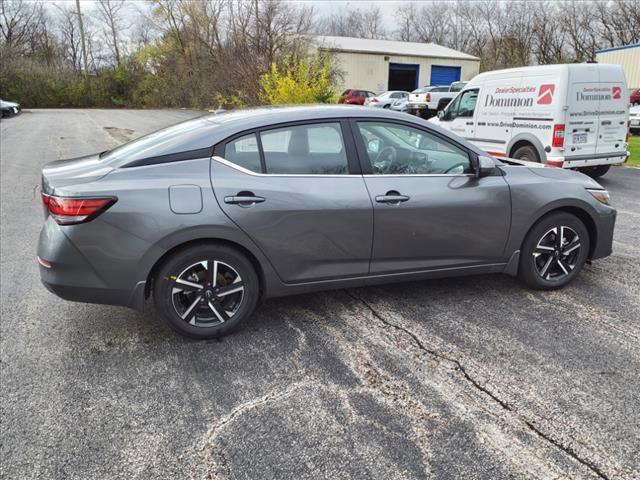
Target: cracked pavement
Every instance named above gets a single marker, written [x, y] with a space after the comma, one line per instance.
[472, 377]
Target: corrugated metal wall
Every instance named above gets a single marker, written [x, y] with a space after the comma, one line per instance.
[629, 58]
[371, 71]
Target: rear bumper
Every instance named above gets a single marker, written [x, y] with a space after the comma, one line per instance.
[72, 277]
[591, 160]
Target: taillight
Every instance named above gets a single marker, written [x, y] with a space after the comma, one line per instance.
[374, 99]
[68, 210]
[558, 136]
[427, 97]
[626, 138]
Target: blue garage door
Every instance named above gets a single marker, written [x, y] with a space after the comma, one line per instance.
[441, 75]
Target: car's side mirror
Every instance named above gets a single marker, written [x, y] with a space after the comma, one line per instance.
[441, 114]
[486, 166]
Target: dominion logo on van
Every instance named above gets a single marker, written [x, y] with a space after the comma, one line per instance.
[595, 94]
[520, 96]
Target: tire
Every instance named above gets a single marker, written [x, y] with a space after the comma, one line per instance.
[387, 106]
[527, 153]
[595, 172]
[543, 264]
[208, 311]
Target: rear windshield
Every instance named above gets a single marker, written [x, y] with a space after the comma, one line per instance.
[177, 138]
[420, 90]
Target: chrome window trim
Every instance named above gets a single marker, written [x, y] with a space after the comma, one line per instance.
[346, 175]
[260, 174]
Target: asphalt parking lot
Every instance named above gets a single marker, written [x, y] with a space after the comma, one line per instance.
[475, 377]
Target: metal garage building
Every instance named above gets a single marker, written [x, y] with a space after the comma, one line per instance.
[628, 56]
[380, 65]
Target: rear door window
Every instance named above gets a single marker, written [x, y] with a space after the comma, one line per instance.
[244, 152]
[315, 149]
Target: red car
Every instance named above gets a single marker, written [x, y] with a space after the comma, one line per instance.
[353, 96]
[634, 98]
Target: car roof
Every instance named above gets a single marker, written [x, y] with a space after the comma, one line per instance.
[207, 130]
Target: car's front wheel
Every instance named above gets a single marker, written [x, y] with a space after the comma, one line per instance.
[206, 291]
[554, 251]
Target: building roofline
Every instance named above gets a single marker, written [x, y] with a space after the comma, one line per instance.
[622, 47]
[470, 58]
[338, 44]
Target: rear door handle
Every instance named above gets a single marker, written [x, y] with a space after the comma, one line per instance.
[244, 199]
[392, 197]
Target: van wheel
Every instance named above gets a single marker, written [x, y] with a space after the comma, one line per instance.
[527, 153]
[595, 172]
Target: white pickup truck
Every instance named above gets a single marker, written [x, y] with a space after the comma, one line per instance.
[427, 101]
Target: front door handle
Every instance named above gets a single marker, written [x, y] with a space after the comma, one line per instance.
[392, 197]
[244, 199]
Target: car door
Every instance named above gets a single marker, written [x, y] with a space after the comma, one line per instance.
[297, 191]
[430, 210]
[459, 115]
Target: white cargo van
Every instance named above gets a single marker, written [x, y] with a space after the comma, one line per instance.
[569, 116]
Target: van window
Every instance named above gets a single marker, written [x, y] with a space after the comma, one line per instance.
[316, 149]
[464, 105]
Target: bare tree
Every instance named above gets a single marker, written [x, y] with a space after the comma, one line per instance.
[112, 15]
[365, 23]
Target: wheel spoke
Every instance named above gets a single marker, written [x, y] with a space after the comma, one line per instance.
[190, 312]
[218, 311]
[546, 266]
[575, 243]
[229, 289]
[559, 237]
[212, 272]
[185, 285]
[543, 250]
[561, 265]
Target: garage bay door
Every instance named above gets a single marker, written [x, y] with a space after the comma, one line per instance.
[441, 75]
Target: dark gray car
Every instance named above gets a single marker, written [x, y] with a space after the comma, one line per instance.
[212, 214]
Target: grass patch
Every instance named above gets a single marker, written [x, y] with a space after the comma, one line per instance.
[634, 148]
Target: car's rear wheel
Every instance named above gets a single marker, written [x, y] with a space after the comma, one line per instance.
[526, 153]
[206, 291]
[596, 171]
[554, 251]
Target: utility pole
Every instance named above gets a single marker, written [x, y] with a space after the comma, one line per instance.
[84, 46]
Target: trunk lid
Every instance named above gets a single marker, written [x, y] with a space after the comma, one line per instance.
[63, 173]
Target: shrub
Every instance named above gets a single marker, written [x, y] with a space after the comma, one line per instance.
[299, 80]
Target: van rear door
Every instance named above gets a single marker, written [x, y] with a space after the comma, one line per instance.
[581, 130]
[614, 105]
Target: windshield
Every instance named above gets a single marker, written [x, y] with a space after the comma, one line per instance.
[181, 137]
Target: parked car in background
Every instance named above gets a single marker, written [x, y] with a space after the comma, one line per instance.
[634, 119]
[211, 215]
[8, 109]
[634, 97]
[384, 100]
[400, 105]
[433, 99]
[417, 104]
[354, 96]
[568, 116]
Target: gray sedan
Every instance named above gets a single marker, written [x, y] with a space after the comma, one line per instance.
[213, 214]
